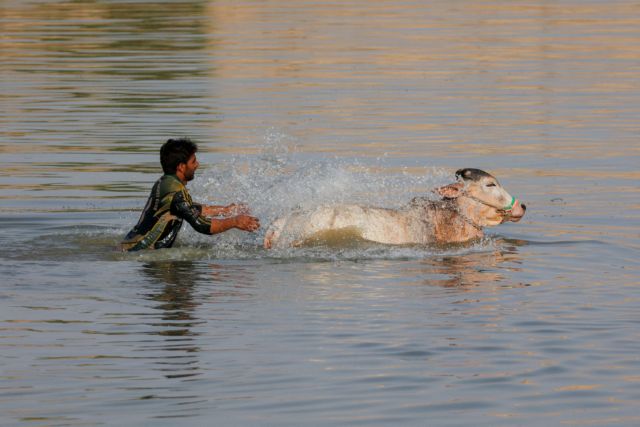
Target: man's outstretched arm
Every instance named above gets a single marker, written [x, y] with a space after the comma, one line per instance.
[241, 222]
[194, 215]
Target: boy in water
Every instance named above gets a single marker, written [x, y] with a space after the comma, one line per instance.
[170, 203]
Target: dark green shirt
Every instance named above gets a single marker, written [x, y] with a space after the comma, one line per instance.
[168, 205]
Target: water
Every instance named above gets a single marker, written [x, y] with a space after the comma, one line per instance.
[296, 104]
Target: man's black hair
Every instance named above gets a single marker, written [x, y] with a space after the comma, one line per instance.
[176, 151]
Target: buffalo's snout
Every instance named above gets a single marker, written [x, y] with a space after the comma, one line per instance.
[517, 212]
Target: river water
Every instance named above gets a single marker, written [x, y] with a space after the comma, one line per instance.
[299, 103]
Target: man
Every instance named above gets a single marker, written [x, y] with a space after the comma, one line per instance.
[170, 203]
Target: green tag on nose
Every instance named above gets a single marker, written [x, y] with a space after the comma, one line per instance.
[510, 205]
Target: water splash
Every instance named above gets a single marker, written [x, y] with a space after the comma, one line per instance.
[281, 179]
[273, 183]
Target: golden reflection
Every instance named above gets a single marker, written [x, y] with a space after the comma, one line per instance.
[498, 82]
[478, 269]
[355, 66]
[578, 387]
[482, 271]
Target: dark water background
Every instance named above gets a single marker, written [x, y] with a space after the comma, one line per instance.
[296, 103]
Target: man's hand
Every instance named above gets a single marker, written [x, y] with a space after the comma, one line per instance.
[247, 223]
[241, 222]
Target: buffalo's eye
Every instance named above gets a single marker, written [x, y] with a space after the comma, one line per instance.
[492, 184]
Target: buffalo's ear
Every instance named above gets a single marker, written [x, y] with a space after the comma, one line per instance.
[450, 191]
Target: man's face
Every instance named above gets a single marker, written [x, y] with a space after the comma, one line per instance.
[190, 167]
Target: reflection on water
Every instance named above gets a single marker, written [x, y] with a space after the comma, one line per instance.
[243, 340]
[475, 269]
[177, 304]
[178, 289]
